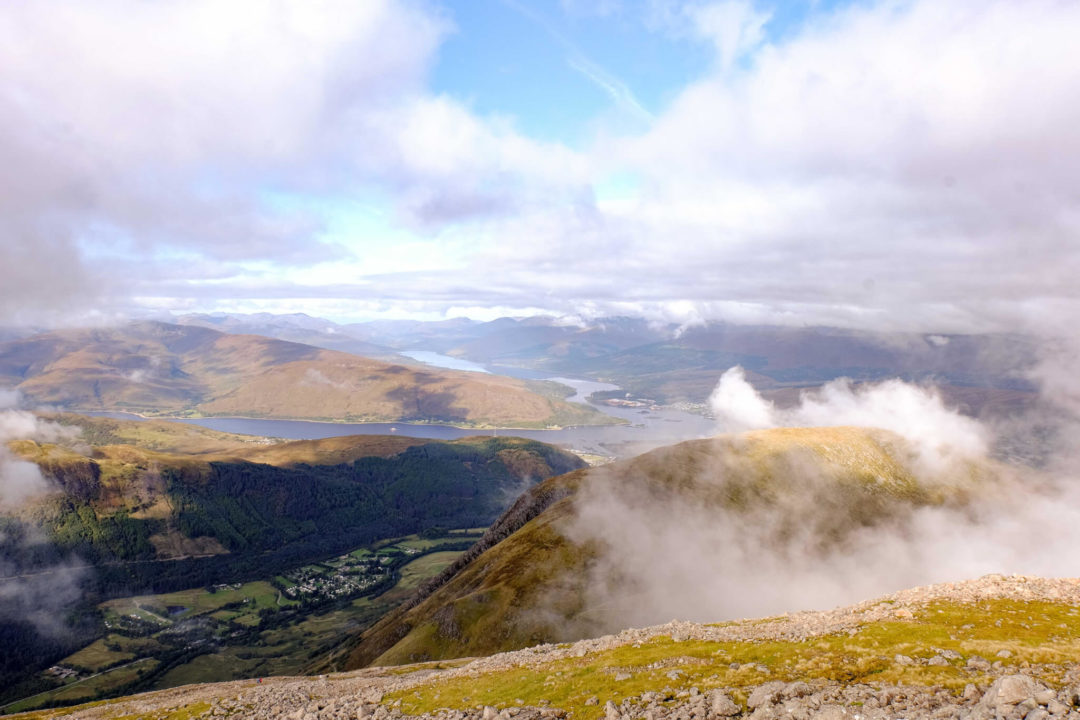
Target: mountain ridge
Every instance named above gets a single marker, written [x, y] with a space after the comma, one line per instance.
[160, 369]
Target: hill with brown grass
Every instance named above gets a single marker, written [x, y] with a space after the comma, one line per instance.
[155, 368]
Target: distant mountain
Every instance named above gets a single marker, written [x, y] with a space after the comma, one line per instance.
[158, 368]
[668, 363]
[294, 327]
[671, 364]
[544, 572]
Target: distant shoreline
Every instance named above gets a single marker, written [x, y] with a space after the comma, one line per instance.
[174, 418]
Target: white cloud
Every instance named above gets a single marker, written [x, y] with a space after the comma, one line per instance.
[834, 177]
[735, 27]
[19, 479]
[837, 175]
[738, 406]
[843, 168]
[940, 435]
[145, 133]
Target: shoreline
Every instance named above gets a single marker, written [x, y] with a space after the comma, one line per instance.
[194, 419]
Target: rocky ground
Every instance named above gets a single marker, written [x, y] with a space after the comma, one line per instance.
[1004, 690]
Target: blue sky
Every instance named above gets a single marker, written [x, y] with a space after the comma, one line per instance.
[532, 62]
[550, 65]
[871, 163]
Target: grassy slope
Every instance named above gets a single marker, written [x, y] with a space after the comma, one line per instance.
[156, 368]
[1040, 636]
[492, 604]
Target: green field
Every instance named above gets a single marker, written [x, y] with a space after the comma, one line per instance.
[88, 688]
[416, 542]
[424, 567]
[96, 656]
[253, 629]
[196, 601]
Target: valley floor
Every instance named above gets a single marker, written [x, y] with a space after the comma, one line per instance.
[997, 647]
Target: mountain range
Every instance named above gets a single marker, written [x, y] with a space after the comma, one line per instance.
[669, 363]
[161, 369]
[512, 630]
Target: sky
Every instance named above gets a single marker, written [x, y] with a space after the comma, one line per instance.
[887, 165]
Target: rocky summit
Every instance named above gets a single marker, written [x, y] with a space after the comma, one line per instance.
[994, 648]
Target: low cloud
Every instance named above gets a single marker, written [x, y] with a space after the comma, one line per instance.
[21, 480]
[817, 525]
[38, 594]
[665, 556]
[317, 377]
[41, 597]
[918, 414]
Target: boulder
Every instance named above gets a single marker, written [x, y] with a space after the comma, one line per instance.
[766, 694]
[721, 705]
[1009, 691]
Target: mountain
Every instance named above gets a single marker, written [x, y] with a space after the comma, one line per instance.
[669, 363]
[163, 491]
[981, 374]
[157, 368]
[294, 327]
[599, 549]
[996, 647]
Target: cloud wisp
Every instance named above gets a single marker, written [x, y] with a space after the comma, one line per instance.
[39, 595]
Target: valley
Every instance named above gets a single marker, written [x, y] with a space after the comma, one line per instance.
[156, 507]
[241, 630]
[214, 547]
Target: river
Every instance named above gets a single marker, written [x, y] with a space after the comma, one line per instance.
[646, 429]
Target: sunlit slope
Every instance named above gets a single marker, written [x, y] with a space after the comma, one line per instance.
[189, 439]
[992, 647]
[157, 368]
[135, 496]
[531, 586]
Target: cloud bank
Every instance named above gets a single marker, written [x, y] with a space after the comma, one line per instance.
[941, 436]
[677, 548]
[200, 155]
[21, 480]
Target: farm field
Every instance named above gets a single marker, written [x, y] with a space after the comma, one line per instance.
[244, 630]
